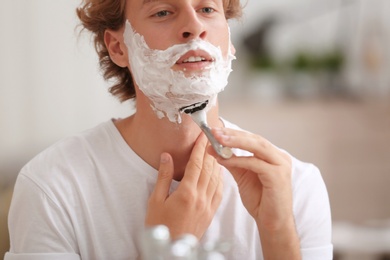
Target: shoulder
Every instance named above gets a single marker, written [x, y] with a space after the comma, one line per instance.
[312, 212]
[69, 156]
[73, 145]
[307, 178]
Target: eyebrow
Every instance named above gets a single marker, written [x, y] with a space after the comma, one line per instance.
[149, 1]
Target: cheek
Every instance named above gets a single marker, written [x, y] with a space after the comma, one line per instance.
[155, 37]
[226, 45]
[157, 40]
[224, 40]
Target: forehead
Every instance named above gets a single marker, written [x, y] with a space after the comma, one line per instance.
[143, 2]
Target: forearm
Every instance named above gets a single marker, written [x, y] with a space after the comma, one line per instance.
[280, 243]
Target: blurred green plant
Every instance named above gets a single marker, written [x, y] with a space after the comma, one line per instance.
[302, 61]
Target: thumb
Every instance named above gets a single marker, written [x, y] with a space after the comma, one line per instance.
[164, 179]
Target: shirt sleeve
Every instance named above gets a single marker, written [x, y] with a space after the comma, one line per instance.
[39, 228]
[312, 215]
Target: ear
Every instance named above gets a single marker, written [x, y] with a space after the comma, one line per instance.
[116, 47]
[232, 49]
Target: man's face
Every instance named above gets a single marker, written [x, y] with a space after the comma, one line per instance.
[164, 23]
[179, 52]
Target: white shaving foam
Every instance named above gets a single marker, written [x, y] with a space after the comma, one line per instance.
[171, 90]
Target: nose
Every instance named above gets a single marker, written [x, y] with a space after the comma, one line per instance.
[192, 26]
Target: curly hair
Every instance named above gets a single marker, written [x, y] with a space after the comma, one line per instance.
[98, 15]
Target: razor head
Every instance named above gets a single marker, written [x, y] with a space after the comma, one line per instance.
[194, 107]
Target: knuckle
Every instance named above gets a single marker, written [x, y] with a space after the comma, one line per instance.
[201, 203]
[264, 144]
[152, 200]
[196, 164]
[218, 196]
[280, 171]
[188, 198]
[216, 180]
[164, 174]
[284, 171]
[208, 167]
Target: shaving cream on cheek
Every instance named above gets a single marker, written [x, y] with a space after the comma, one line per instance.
[171, 90]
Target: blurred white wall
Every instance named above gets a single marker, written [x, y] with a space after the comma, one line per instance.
[50, 84]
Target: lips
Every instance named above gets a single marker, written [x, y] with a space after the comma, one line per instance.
[194, 57]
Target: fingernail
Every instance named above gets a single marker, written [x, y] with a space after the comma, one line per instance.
[164, 158]
[225, 137]
[218, 131]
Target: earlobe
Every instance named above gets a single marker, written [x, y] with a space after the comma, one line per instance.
[232, 49]
[116, 47]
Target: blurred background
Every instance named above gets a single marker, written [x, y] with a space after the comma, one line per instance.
[311, 76]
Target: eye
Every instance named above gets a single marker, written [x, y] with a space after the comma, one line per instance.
[162, 13]
[207, 10]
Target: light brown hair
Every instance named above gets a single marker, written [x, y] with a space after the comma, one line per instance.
[99, 15]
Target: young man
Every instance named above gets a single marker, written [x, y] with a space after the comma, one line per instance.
[90, 196]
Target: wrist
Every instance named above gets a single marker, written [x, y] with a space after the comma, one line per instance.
[280, 241]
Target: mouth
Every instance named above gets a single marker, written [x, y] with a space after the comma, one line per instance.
[196, 59]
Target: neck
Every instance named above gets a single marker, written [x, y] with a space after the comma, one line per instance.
[150, 136]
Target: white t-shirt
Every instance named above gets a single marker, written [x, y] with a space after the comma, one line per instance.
[86, 196]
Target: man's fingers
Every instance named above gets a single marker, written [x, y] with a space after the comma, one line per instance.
[257, 145]
[210, 166]
[164, 179]
[195, 164]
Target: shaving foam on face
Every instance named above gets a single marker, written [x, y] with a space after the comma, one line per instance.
[171, 90]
